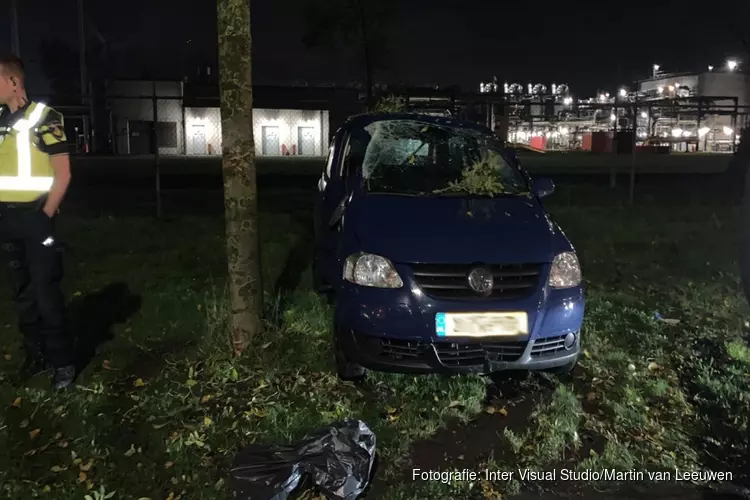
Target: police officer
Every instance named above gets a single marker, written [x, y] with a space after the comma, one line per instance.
[34, 176]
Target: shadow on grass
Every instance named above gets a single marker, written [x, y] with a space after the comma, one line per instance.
[92, 317]
[298, 260]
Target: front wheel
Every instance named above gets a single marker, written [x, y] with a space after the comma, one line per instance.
[346, 369]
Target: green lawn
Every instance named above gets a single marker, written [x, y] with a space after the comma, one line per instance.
[162, 408]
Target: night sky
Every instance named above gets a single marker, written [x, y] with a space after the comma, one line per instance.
[428, 41]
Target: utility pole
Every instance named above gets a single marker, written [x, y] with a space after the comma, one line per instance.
[84, 76]
[14, 38]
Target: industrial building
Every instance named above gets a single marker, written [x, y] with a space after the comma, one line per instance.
[286, 121]
[703, 111]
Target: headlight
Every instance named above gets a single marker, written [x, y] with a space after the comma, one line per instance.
[365, 269]
[566, 271]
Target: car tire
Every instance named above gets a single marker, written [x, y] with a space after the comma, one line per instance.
[319, 283]
[346, 369]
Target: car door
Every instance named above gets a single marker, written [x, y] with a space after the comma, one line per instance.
[330, 193]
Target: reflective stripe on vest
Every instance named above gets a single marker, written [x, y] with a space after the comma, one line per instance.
[24, 181]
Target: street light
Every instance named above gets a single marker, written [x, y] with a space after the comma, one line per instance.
[644, 114]
[703, 131]
[728, 130]
[656, 69]
[623, 93]
[710, 68]
[732, 64]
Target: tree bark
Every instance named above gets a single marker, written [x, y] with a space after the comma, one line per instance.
[238, 166]
[366, 53]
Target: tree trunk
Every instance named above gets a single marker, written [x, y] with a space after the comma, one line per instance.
[366, 54]
[238, 166]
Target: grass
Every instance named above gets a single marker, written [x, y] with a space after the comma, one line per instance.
[163, 407]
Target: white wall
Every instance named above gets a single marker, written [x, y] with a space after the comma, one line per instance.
[728, 85]
[206, 123]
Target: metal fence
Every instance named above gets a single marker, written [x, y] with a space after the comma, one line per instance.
[170, 125]
[154, 118]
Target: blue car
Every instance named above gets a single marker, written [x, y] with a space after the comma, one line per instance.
[439, 255]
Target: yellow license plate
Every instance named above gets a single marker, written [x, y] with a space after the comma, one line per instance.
[496, 324]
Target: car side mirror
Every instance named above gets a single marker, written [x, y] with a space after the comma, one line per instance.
[543, 187]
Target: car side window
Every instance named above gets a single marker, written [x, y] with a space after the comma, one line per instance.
[329, 162]
[354, 154]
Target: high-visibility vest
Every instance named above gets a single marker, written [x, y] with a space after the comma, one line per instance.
[25, 170]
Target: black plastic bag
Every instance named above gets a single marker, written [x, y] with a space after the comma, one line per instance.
[338, 459]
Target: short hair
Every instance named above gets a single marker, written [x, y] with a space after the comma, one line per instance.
[12, 65]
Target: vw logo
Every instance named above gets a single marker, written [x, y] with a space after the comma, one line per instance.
[481, 280]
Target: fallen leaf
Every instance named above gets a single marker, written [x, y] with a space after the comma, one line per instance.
[207, 421]
[158, 426]
[587, 354]
[35, 433]
[653, 366]
[57, 468]
[62, 444]
[8, 357]
[219, 484]
[455, 404]
[58, 436]
[82, 477]
[89, 485]
[77, 294]
[503, 412]
[591, 396]
[24, 423]
[16, 403]
[490, 410]
[168, 465]
[77, 461]
[206, 398]
[87, 466]
[106, 365]
[138, 382]
[390, 410]
[130, 452]
[144, 498]
[190, 382]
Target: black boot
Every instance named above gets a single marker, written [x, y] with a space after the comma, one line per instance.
[63, 376]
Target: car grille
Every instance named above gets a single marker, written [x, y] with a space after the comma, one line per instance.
[443, 281]
[452, 353]
[548, 346]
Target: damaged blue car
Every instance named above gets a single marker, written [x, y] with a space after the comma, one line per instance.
[439, 254]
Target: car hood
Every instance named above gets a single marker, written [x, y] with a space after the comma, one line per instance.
[452, 230]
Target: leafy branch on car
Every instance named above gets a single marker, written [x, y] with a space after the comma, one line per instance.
[482, 178]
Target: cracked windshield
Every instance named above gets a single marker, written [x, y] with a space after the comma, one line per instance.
[419, 158]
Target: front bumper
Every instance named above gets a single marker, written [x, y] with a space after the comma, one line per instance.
[437, 356]
[394, 330]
